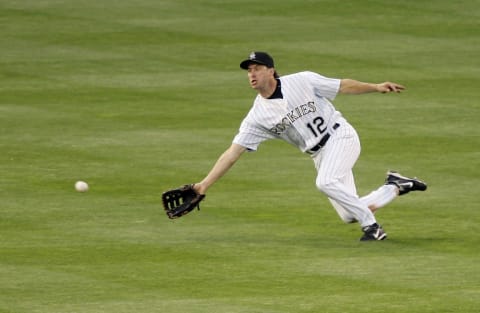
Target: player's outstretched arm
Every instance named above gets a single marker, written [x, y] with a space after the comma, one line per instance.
[223, 164]
[355, 87]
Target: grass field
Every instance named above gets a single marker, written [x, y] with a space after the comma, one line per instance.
[136, 97]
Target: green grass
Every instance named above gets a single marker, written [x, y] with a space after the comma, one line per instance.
[136, 97]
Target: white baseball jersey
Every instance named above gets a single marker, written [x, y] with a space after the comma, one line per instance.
[302, 117]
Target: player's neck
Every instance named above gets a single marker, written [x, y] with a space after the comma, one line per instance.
[269, 89]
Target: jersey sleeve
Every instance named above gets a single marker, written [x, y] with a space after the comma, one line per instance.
[251, 136]
[324, 86]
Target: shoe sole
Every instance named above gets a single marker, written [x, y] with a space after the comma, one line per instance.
[382, 237]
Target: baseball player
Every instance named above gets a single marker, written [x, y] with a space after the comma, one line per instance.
[298, 109]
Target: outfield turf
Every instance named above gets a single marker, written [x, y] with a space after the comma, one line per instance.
[136, 97]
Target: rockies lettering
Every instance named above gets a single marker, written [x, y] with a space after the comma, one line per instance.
[292, 116]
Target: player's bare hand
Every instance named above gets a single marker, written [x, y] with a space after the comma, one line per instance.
[387, 87]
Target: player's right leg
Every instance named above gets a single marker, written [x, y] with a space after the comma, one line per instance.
[334, 165]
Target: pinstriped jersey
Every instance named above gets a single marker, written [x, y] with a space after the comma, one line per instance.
[302, 117]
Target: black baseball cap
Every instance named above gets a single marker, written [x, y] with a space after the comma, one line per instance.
[258, 57]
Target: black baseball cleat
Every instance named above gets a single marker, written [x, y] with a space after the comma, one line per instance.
[404, 184]
[373, 232]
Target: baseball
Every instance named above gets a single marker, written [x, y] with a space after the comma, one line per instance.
[81, 186]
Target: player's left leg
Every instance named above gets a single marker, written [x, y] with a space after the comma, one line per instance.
[380, 197]
[395, 184]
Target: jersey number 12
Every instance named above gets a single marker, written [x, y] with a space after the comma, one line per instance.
[316, 128]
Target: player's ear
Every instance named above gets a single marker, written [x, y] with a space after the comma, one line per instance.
[272, 71]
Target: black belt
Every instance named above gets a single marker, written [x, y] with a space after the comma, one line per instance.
[323, 141]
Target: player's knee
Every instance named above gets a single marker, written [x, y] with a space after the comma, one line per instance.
[326, 186]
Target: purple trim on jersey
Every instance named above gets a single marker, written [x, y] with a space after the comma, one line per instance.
[277, 94]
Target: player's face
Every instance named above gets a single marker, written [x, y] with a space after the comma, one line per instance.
[259, 76]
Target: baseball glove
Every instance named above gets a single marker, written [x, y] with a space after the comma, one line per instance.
[180, 201]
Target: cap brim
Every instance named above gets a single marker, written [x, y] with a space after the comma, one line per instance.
[247, 62]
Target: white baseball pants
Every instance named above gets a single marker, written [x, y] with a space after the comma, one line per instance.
[334, 164]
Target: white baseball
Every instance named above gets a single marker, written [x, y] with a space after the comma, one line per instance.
[81, 186]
